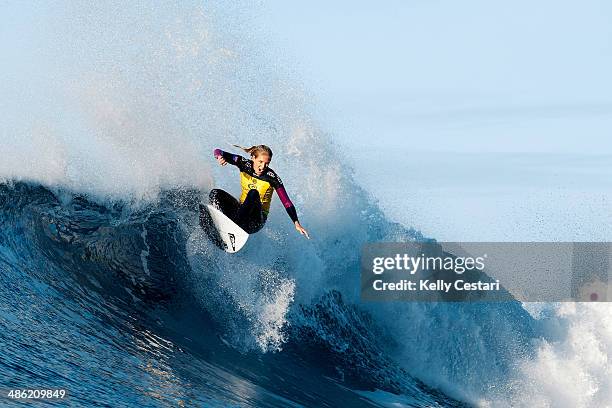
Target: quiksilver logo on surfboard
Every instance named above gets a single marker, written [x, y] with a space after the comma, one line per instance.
[232, 238]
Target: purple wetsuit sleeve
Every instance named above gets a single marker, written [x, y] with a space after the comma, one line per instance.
[282, 194]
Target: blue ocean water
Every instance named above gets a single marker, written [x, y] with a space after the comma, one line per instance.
[106, 303]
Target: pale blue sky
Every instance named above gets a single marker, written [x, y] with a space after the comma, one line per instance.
[460, 76]
[493, 120]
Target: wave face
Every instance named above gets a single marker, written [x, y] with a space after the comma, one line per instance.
[111, 290]
[114, 305]
[132, 305]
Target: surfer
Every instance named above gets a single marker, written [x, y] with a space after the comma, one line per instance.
[258, 182]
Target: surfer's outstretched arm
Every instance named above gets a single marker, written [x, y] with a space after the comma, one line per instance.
[224, 157]
[282, 194]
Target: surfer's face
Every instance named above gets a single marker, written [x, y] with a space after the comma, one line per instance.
[260, 163]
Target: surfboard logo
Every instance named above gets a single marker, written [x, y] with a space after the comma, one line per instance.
[232, 238]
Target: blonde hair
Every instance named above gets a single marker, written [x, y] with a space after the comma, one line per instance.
[256, 150]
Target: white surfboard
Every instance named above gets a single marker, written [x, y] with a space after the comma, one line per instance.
[231, 237]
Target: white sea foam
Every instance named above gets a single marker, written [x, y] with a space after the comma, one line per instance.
[574, 370]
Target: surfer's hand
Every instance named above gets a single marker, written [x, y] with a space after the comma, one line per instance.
[221, 160]
[301, 229]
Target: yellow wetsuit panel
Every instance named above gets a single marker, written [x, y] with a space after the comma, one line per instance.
[265, 189]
